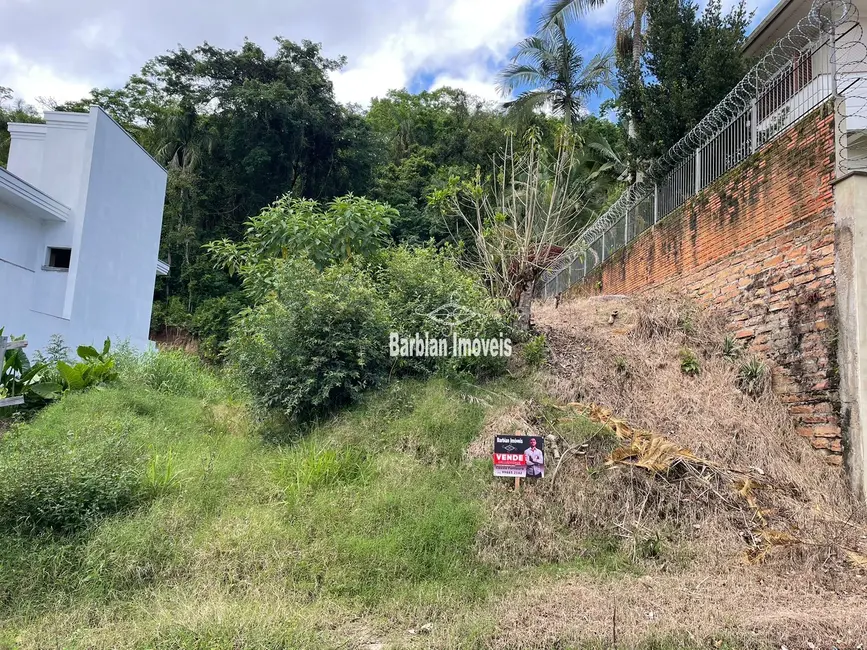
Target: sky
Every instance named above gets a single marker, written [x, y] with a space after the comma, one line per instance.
[60, 49]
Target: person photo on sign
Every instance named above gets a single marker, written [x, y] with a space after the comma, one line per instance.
[535, 460]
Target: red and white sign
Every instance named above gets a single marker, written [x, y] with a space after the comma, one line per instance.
[510, 456]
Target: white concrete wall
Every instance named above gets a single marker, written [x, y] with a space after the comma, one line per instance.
[25, 158]
[19, 237]
[115, 251]
[850, 221]
[115, 192]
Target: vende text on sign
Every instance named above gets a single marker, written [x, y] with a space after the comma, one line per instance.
[509, 459]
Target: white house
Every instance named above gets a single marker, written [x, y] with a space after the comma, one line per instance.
[81, 207]
[815, 74]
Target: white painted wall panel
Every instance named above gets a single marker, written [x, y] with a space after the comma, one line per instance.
[115, 258]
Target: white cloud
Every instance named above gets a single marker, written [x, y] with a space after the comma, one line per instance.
[478, 81]
[30, 80]
[454, 40]
[62, 49]
[601, 16]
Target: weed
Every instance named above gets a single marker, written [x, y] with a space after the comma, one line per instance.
[63, 483]
[689, 363]
[731, 349]
[176, 372]
[313, 467]
[621, 367]
[753, 376]
[161, 475]
[535, 351]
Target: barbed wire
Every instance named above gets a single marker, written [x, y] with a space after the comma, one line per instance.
[831, 24]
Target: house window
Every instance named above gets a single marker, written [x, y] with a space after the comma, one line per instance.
[58, 259]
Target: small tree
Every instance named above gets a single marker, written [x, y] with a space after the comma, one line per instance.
[349, 227]
[691, 61]
[524, 218]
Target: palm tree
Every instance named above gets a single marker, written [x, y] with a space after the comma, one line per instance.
[628, 23]
[182, 142]
[551, 64]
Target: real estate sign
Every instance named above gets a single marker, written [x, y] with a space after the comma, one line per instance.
[520, 456]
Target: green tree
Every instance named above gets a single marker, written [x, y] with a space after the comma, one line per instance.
[425, 138]
[12, 109]
[524, 217]
[551, 64]
[690, 63]
[349, 228]
[235, 129]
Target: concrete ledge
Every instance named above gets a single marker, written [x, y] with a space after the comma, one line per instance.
[854, 172]
[32, 201]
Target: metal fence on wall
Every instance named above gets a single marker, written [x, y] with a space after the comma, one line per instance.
[823, 57]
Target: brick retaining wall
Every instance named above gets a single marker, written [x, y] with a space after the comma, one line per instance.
[758, 243]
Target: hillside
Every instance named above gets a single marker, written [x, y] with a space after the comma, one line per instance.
[383, 528]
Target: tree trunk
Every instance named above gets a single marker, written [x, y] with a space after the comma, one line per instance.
[525, 302]
[637, 40]
[637, 48]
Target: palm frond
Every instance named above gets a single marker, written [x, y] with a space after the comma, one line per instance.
[527, 102]
[567, 10]
[530, 46]
[516, 75]
[596, 74]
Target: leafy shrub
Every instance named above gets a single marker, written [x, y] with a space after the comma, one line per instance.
[689, 364]
[423, 288]
[212, 322]
[18, 377]
[316, 343]
[349, 228]
[63, 483]
[170, 314]
[535, 351]
[55, 351]
[94, 368]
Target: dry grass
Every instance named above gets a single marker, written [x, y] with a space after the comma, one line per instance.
[706, 489]
[697, 610]
[633, 369]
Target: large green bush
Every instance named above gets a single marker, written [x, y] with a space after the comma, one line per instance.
[425, 288]
[64, 481]
[322, 337]
[315, 343]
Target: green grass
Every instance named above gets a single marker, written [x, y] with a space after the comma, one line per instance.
[246, 534]
[374, 510]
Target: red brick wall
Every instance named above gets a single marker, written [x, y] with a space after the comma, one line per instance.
[759, 244]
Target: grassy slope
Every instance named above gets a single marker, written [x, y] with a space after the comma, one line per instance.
[369, 521]
[376, 523]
